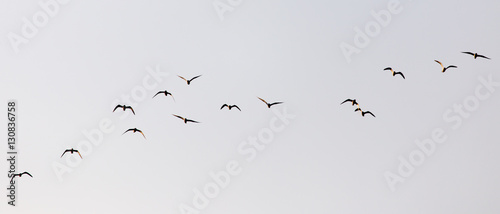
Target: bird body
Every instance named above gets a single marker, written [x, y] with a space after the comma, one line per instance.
[230, 107]
[269, 104]
[166, 94]
[71, 151]
[188, 81]
[124, 107]
[445, 68]
[394, 73]
[134, 130]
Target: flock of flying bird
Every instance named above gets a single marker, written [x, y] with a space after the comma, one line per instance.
[394, 73]
[269, 105]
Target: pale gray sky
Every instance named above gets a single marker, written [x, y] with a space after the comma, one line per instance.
[68, 76]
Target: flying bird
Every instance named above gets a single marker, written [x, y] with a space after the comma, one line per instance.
[134, 130]
[394, 72]
[72, 150]
[166, 94]
[444, 68]
[476, 55]
[185, 119]
[353, 101]
[124, 107]
[19, 175]
[189, 81]
[364, 112]
[230, 106]
[269, 104]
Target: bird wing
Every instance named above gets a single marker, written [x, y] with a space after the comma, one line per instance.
[348, 100]
[368, 112]
[194, 77]
[118, 106]
[468, 53]
[451, 66]
[178, 116]
[225, 105]
[235, 106]
[128, 131]
[358, 109]
[130, 107]
[188, 120]
[172, 96]
[275, 103]
[64, 152]
[79, 154]
[439, 63]
[182, 78]
[400, 74]
[262, 100]
[482, 56]
[142, 134]
[27, 174]
[388, 68]
[159, 92]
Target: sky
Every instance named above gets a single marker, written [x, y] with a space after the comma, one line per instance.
[432, 147]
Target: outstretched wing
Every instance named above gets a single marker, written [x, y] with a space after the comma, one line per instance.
[368, 112]
[159, 92]
[130, 107]
[64, 152]
[388, 68]
[27, 174]
[118, 106]
[357, 109]
[188, 120]
[178, 116]
[235, 106]
[225, 105]
[451, 66]
[400, 74]
[275, 103]
[468, 53]
[128, 131]
[262, 100]
[482, 56]
[79, 154]
[439, 63]
[182, 78]
[348, 100]
[142, 134]
[194, 77]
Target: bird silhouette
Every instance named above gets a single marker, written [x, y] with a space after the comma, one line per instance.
[269, 104]
[166, 94]
[189, 81]
[364, 112]
[72, 150]
[19, 175]
[394, 73]
[476, 55]
[134, 130]
[185, 119]
[353, 101]
[444, 68]
[124, 107]
[230, 107]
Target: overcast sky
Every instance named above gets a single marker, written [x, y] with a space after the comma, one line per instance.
[312, 155]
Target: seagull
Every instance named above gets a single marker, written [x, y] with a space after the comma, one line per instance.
[269, 104]
[166, 94]
[135, 130]
[72, 150]
[124, 107]
[394, 72]
[185, 119]
[364, 112]
[475, 55]
[444, 68]
[20, 174]
[230, 106]
[189, 81]
[353, 101]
